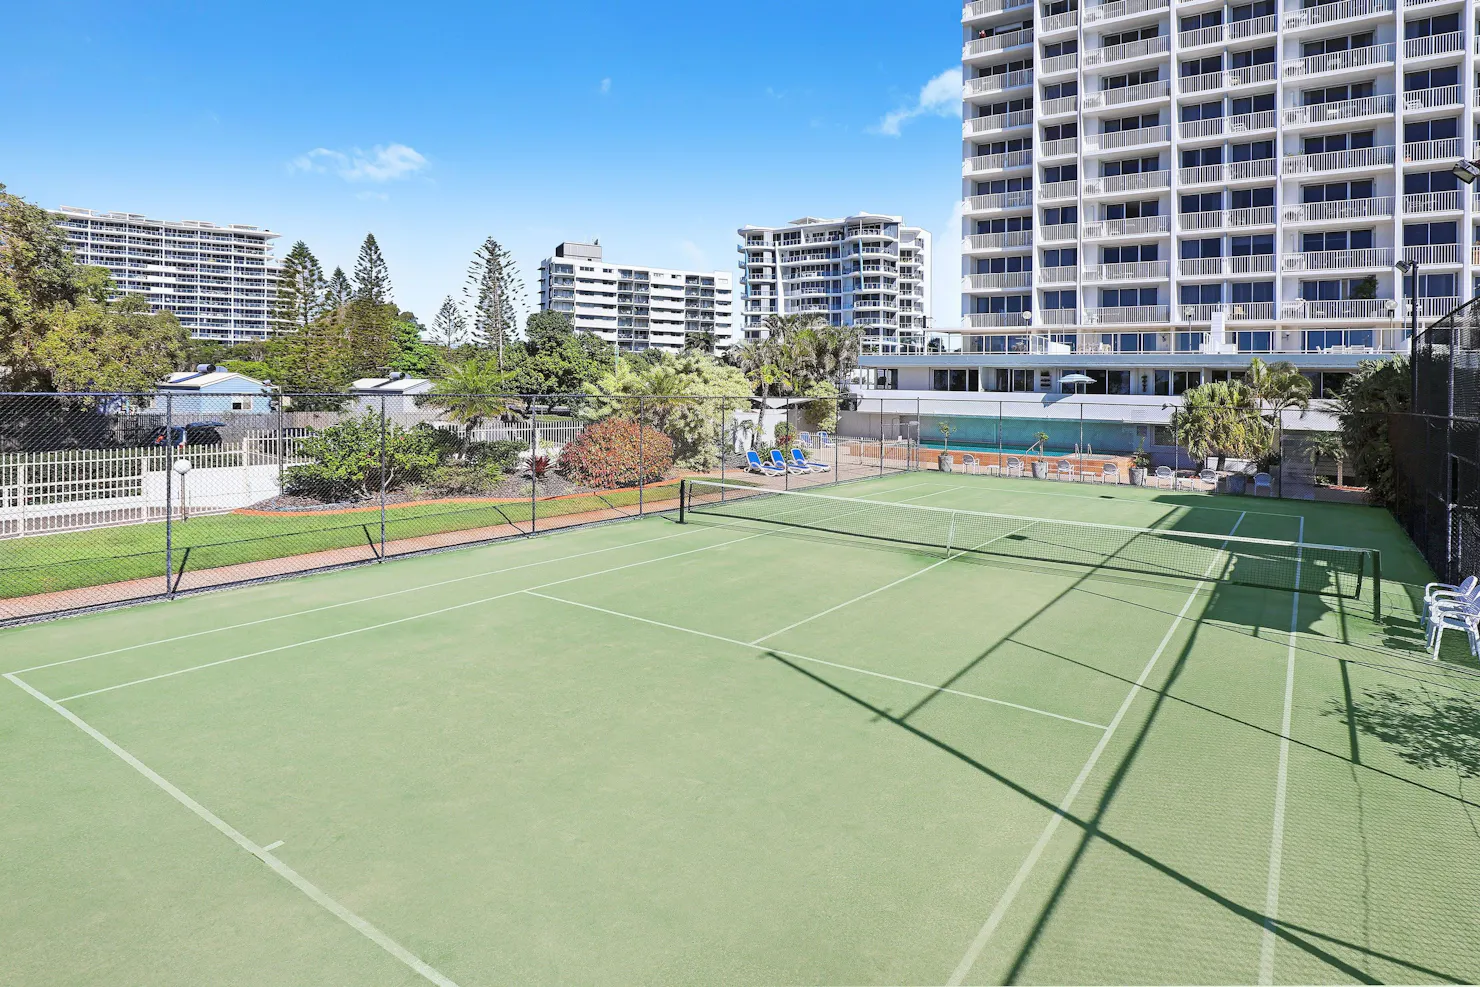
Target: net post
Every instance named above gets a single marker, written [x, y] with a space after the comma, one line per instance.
[169, 493]
[683, 501]
[951, 535]
[383, 488]
[1377, 586]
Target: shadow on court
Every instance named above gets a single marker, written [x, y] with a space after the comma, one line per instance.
[1425, 730]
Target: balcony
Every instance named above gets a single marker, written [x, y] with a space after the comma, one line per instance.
[1057, 275]
[1130, 315]
[986, 163]
[1122, 8]
[1441, 97]
[1341, 61]
[1434, 44]
[1438, 306]
[1127, 94]
[998, 241]
[1421, 202]
[1054, 23]
[1218, 126]
[1127, 138]
[995, 320]
[981, 8]
[978, 47]
[1201, 267]
[997, 121]
[1433, 253]
[1058, 107]
[1335, 13]
[1383, 309]
[1053, 191]
[1367, 258]
[998, 282]
[1251, 75]
[1342, 109]
[1251, 264]
[1450, 148]
[1141, 226]
[1206, 82]
[1140, 182]
[1000, 200]
[1058, 232]
[1340, 210]
[1254, 27]
[1364, 157]
[1156, 270]
[1214, 35]
[1059, 64]
[1233, 171]
[989, 84]
[1060, 148]
[1115, 54]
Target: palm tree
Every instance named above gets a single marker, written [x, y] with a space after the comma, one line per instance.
[473, 392]
[1221, 419]
[1328, 445]
[1277, 387]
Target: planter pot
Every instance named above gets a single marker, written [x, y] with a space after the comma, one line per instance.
[1040, 470]
[1138, 477]
[945, 463]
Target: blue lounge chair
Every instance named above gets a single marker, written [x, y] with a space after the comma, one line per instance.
[805, 438]
[779, 461]
[824, 440]
[753, 464]
[802, 462]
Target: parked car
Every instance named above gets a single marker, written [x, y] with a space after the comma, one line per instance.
[191, 434]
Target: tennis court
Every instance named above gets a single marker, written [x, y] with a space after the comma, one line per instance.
[791, 740]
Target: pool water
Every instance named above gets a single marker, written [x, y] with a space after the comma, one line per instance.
[1006, 450]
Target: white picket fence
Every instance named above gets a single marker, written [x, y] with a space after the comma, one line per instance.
[557, 433]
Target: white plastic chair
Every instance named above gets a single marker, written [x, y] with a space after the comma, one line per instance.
[1441, 620]
[1434, 591]
[1165, 473]
[1110, 473]
[1066, 470]
[1014, 466]
[1265, 482]
[1465, 597]
[968, 463]
[1210, 478]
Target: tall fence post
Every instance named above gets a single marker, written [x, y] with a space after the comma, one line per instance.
[169, 493]
[534, 453]
[383, 484]
[838, 421]
[641, 468]
[881, 436]
[724, 419]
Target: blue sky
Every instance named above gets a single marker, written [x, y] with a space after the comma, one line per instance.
[658, 127]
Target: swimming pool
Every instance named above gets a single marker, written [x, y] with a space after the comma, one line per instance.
[1006, 450]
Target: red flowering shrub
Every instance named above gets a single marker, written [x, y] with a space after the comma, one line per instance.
[605, 455]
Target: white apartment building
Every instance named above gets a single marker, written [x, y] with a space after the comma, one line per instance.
[868, 270]
[639, 308]
[217, 280]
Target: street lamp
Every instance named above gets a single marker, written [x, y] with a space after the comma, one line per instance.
[1466, 171]
[1409, 268]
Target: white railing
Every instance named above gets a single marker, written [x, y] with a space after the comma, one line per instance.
[1122, 8]
[1006, 279]
[1059, 106]
[1060, 63]
[1061, 22]
[1364, 157]
[1433, 253]
[1428, 99]
[1134, 271]
[1111, 54]
[1057, 190]
[1432, 202]
[1198, 313]
[1253, 27]
[1060, 147]
[1250, 312]
[1253, 216]
[1202, 175]
[1000, 200]
[1059, 231]
[1128, 138]
[1203, 36]
[1330, 260]
[1201, 83]
[1129, 315]
[1200, 267]
[1128, 183]
[1445, 147]
[1057, 275]
[1245, 122]
[998, 42]
[1251, 75]
[1128, 94]
[998, 162]
[995, 320]
[1251, 264]
[981, 8]
[1193, 129]
[1342, 10]
[1309, 212]
[998, 121]
[1350, 308]
[1438, 306]
[1000, 82]
[1242, 171]
[1337, 61]
[1210, 220]
[1434, 44]
[1341, 109]
[1140, 226]
[999, 241]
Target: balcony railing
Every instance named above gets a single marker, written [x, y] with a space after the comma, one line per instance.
[1433, 253]
[1364, 157]
[1154, 270]
[998, 42]
[1140, 226]
[1201, 267]
[1060, 22]
[1431, 202]
[1244, 171]
[1060, 147]
[1128, 94]
[1051, 191]
[1253, 27]
[1447, 147]
[1057, 275]
[1438, 306]
[994, 320]
[993, 282]
[1328, 13]
[1338, 61]
[981, 8]
[1000, 82]
[1059, 106]
[1058, 232]
[1202, 83]
[1429, 99]
[1060, 63]
[998, 162]
[1333, 260]
[998, 121]
[1434, 44]
[1251, 264]
[998, 241]
[1341, 209]
[1129, 315]
[1383, 309]
[1122, 8]
[1252, 216]
[1203, 175]
[1214, 35]
[1341, 109]
[1014, 338]
[1112, 54]
[1250, 75]
[1139, 182]
[1193, 129]
[1000, 200]
[1127, 138]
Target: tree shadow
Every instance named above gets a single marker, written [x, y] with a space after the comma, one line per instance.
[1424, 729]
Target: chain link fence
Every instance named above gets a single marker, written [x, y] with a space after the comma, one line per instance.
[114, 498]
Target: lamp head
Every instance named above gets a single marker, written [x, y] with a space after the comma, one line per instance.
[1404, 267]
[1467, 172]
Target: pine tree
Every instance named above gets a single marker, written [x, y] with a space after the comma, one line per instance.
[300, 299]
[340, 291]
[450, 328]
[494, 291]
[372, 277]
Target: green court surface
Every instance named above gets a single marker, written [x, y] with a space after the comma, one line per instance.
[733, 752]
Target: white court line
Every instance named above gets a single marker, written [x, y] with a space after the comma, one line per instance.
[974, 951]
[876, 592]
[368, 599]
[287, 873]
[392, 623]
[273, 846]
[1281, 787]
[819, 661]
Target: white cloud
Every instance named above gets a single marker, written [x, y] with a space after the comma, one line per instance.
[695, 254]
[380, 164]
[606, 86]
[939, 97]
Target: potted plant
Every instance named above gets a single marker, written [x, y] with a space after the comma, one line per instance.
[1040, 466]
[944, 460]
[1140, 467]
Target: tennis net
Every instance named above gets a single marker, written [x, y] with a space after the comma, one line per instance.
[1298, 567]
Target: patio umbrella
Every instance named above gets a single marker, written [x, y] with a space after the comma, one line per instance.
[1078, 380]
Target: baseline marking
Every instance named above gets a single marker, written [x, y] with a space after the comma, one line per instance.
[818, 661]
[273, 846]
[1281, 786]
[393, 623]
[1020, 879]
[312, 891]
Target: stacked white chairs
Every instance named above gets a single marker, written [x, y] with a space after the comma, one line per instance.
[1454, 608]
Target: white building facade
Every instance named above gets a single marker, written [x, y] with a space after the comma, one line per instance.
[1162, 190]
[217, 280]
[869, 271]
[639, 307]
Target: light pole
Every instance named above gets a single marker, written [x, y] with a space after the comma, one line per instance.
[1410, 269]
